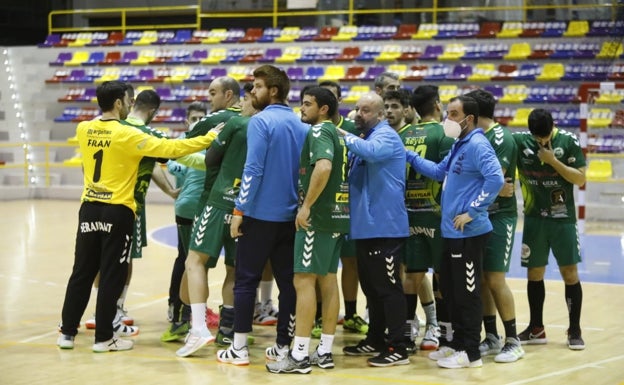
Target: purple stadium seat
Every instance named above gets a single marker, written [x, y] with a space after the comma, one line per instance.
[182, 36]
[460, 72]
[587, 50]
[432, 52]
[369, 53]
[528, 72]
[294, 95]
[234, 55]
[98, 39]
[269, 35]
[385, 32]
[554, 29]
[234, 35]
[78, 76]
[164, 37]
[127, 57]
[94, 58]
[596, 72]
[295, 73]
[373, 71]
[495, 51]
[564, 51]
[130, 75]
[495, 90]
[61, 59]
[69, 114]
[474, 52]
[88, 95]
[308, 54]
[165, 94]
[537, 94]
[573, 71]
[217, 72]
[51, 41]
[365, 32]
[131, 37]
[438, 72]
[146, 74]
[197, 56]
[307, 34]
[600, 28]
[313, 73]
[198, 74]
[270, 55]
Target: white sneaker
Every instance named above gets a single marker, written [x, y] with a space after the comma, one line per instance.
[262, 315]
[415, 328]
[276, 352]
[443, 352]
[122, 330]
[232, 356]
[113, 345]
[490, 345]
[459, 360]
[122, 315]
[65, 342]
[271, 310]
[194, 341]
[511, 352]
[430, 341]
[90, 323]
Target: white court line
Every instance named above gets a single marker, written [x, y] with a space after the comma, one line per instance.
[566, 371]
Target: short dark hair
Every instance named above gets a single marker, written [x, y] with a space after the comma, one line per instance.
[540, 122]
[424, 99]
[397, 95]
[108, 92]
[329, 83]
[197, 105]
[469, 106]
[247, 87]
[147, 100]
[324, 97]
[274, 77]
[485, 100]
[303, 91]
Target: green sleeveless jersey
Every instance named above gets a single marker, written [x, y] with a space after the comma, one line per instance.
[206, 124]
[232, 143]
[427, 139]
[330, 212]
[546, 193]
[507, 153]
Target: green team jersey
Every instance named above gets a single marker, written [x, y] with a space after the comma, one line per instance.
[232, 144]
[507, 154]
[546, 193]
[427, 139]
[348, 125]
[206, 124]
[146, 165]
[330, 212]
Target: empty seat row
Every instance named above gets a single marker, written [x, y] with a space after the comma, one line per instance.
[425, 31]
[369, 53]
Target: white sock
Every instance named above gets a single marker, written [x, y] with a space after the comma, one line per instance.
[266, 288]
[240, 341]
[198, 317]
[430, 314]
[325, 346]
[300, 349]
[122, 297]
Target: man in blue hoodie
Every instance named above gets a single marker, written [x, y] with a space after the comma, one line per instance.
[472, 179]
[379, 227]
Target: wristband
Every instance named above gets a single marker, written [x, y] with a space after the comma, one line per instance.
[237, 212]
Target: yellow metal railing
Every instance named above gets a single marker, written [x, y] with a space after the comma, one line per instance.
[36, 168]
[276, 14]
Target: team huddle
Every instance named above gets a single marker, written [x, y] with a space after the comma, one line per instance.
[391, 193]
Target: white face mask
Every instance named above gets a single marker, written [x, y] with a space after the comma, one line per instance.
[452, 129]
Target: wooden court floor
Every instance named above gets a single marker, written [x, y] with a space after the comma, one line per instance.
[35, 262]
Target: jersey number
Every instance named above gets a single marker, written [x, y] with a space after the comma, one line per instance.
[97, 173]
[421, 150]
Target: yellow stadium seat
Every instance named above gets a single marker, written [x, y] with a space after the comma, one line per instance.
[577, 28]
[514, 94]
[77, 59]
[610, 50]
[82, 39]
[599, 170]
[334, 73]
[518, 51]
[511, 29]
[355, 93]
[215, 56]
[551, 72]
[178, 75]
[483, 72]
[215, 36]
[611, 97]
[426, 31]
[145, 57]
[288, 35]
[521, 118]
[110, 73]
[399, 69]
[147, 38]
[389, 53]
[447, 92]
[345, 33]
[453, 51]
[240, 73]
[290, 55]
[599, 117]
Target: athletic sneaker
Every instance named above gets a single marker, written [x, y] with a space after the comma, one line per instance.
[276, 352]
[176, 331]
[234, 356]
[121, 330]
[389, 357]
[123, 315]
[363, 348]
[269, 309]
[490, 345]
[323, 361]
[290, 365]
[113, 345]
[90, 323]
[65, 342]
[459, 360]
[317, 329]
[442, 353]
[212, 319]
[511, 352]
[224, 340]
[356, 324]
[415, 327]
[262, 317]
[194, 341]
[533, 335]
[431, 339]
[575, 341]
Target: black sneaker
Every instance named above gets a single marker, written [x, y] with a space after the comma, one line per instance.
[290, 365]
[575, 341]
[390, 357]
[363, 348]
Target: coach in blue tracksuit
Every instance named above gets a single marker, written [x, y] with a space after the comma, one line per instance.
[379, 226]
[472, 179]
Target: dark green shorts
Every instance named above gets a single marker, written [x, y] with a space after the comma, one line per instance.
[211, 233]
[541, 235]
[317, 252]
[499, 246]
[423, 248]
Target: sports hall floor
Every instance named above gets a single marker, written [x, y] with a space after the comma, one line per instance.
[36, 258]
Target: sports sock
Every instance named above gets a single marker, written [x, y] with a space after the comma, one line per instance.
[430, 313]
[536, 293]
[350, 309]
[301, 346]
[510, 328]
[489, 324]
[574, 300]
[325, 346]
[411, 300]
[198, 316]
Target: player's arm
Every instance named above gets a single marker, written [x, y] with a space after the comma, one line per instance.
[161, 180]
[318, 181]
[571, 174]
